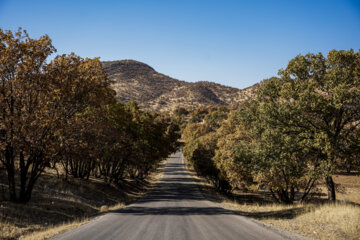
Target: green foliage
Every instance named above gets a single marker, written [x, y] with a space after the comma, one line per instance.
[198, 115]
[154, 137]
[181, 112]
[233, 156]
[214, 118]
[318, 100]
[301, 127]
[200, 145]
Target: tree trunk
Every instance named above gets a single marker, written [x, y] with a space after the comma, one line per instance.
[25, 195]
[348, 167]
[285, 196]
[23, 176]
[66, 168]
[348, 164]
[331, 188]
[11, 181]
[10, 168]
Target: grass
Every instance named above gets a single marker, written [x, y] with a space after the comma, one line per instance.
[316, 220]
[59, 205]
[53, 230]
[327, 221]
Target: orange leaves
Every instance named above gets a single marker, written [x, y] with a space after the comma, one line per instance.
[39, 100]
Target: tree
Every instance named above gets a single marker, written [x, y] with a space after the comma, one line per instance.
[198, 114]
[215, 117]
[200, 146]
[233, 156]
[254, 150]
[318, 100]
[114, 129]
[37, 101]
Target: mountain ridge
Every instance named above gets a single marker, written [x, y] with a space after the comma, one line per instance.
[154, 91]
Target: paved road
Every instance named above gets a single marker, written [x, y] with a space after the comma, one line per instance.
[174, 209]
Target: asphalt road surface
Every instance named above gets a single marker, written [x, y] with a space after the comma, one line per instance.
[174, 209]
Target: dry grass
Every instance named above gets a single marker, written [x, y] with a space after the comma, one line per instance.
[314, 220]
[348, 187]
[53, 230]
[328, 221]
[59, 205]
[318, 221]
[106, 208]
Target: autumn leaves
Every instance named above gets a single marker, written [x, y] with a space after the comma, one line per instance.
[63, 114]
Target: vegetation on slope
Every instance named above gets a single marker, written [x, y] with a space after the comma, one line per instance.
[153, 91]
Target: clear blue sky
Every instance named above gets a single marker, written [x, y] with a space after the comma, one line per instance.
[236, 43]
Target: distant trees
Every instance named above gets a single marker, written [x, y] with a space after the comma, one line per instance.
[301, 127]
[63, 113]
[200, 147]
[154, 136]
[233, 155]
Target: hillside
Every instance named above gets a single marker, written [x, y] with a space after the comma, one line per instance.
[133, 80]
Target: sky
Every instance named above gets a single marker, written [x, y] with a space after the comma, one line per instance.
[235, 43]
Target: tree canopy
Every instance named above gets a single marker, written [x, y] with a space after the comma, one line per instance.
[63, 113]
[302, 126]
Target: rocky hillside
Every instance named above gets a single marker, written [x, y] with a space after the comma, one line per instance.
[133, 80]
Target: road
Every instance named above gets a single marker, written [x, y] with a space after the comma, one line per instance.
[174, 209]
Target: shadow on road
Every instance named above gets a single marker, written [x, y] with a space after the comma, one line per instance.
[175, 211]
[178, 185]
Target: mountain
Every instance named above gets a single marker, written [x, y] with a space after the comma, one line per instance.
[133, 80]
